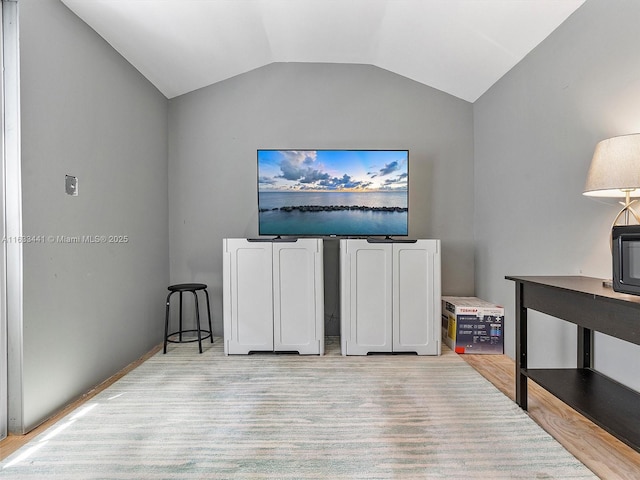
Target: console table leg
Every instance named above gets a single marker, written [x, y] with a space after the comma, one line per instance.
[585, 347]
[521, 348]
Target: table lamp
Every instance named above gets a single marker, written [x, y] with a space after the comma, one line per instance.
[615, 172]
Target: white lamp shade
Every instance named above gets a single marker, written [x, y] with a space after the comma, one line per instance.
[615, 168]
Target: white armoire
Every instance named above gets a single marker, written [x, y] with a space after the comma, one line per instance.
[273, 296]
[390, 296]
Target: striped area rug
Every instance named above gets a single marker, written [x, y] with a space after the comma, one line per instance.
[283, 416]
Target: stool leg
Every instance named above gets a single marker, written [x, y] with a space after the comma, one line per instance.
[166, 324]
[195, 297]
[209, 314]
[180, 334]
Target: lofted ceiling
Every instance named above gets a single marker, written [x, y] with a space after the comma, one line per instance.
[461, 47]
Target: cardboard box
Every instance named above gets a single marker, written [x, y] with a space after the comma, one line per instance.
[471, 325]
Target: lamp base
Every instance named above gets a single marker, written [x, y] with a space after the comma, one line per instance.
[627, 208]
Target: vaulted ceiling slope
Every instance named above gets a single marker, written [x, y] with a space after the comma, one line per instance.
[461, 47]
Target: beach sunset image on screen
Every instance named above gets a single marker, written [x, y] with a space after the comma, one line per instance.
[333, 192]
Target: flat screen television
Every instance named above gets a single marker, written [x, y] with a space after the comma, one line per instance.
[354, 193]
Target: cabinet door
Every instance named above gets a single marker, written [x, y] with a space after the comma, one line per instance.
[298, 299]
[247, 296]
[416, 297]
[366, 297]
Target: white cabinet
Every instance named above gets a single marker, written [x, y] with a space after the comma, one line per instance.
[273, 296]
[390, 297]
[247, 296]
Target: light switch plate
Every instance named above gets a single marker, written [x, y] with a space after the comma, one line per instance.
[71, 185]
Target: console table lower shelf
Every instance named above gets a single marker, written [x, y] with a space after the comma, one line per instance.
[592, 307]
[605, 402]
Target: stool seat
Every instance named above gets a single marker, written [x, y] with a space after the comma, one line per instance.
[187, 287]
[201, 333]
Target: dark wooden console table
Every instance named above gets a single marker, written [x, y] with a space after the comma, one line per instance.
[592, 307]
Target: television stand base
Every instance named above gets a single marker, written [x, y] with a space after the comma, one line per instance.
[388, 239]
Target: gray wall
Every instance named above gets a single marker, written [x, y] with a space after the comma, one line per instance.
[89, 309]
[535, 132]
[215, 132]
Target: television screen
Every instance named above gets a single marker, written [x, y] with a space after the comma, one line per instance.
[333, 192]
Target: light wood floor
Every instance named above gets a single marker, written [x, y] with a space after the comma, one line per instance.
[606, 456]
[14, 442]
